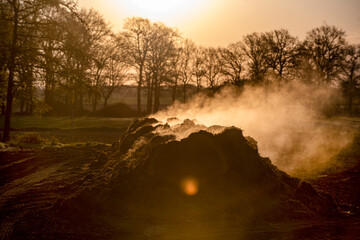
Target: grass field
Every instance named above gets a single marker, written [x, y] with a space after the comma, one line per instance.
[85, 129]
[23, 122]
[95, 129]
[347, 118]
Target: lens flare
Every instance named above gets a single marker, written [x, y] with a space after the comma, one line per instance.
[190, 186]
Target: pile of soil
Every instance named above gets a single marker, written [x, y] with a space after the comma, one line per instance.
[234, 181]
[152, 181]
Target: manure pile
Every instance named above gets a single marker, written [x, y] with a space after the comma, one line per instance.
[171, 178]
[223, 169]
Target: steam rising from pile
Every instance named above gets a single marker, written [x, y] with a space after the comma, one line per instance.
[285, 121]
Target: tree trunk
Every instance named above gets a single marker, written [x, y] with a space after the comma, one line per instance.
[105, 101]
[74, 101]
[149, 97]
[2, 106]
[47, 94]
[174, 91]
[184, 92]
[72, 107]
[22, 103]
[139, 98]
[350, 103]
[157, 97]
[139, 89]
[72, 118]
[49, 87]
[95, 101]
[352, 87]
[198, 83]
[31, 99]
[9, 96]
[94, 106]
[81, 103]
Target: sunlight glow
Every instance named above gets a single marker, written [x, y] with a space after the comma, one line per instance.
[161, 9]
[190, 186]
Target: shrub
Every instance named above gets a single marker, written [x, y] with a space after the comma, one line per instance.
[119, 110]
[54, 141]
[2, 146]
[31, 138]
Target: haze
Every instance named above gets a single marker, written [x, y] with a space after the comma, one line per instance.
[220, 22]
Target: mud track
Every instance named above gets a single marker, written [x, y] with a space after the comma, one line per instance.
[33, 181]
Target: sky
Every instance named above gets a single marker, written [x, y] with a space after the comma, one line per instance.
[221, 22]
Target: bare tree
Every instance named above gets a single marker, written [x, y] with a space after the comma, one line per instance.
[351, 74]
[324, 48]
[187, 58]
[282, 53]
[26, 69]
[5, 40]
[255, 50]
[199, 67]
[50, 52]
[232, 59]
[116, 69]
[138, 31]
[212, 67]
[162, 50]
[16, 10]
[75, 62]
[174, 72]
[99, 34]
[97, 74]
[21, 15]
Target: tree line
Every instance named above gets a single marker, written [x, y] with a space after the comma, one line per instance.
[75, 58]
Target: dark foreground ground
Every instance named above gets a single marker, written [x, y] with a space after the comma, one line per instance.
[35, 182]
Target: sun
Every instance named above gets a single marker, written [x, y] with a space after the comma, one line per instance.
[161, 9]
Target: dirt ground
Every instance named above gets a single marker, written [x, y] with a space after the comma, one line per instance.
[34, 181]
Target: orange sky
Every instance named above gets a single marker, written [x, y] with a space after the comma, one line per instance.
[220, 22]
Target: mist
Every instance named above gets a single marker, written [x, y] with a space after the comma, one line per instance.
[288, 122]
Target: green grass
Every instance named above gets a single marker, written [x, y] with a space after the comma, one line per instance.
[21, 122]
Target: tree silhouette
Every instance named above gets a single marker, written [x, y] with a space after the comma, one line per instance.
[100, 50]
[199, 67]
[187, 59]
[282, 52]
[351, 75]
[255, 49]
[138, 36]
[324, 49]
[232, 60]
[75, 58]
[162, 50]
[212, 67]
[175, 71]
[116, 68]
[22, 16]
